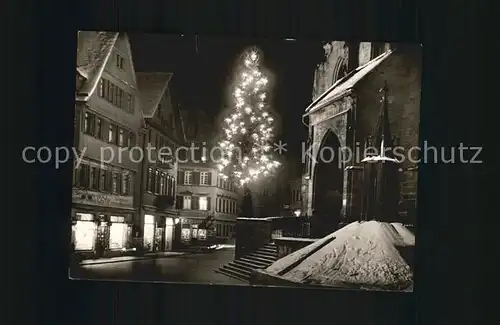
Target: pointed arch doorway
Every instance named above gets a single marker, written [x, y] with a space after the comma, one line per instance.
[328, 186]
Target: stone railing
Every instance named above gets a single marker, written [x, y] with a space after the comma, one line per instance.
[288, 245]
[291, 227]
[253, 233]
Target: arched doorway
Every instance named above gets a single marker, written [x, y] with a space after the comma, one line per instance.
[328, 186]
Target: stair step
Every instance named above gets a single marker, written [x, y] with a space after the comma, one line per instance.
[239, 266]
[260, 264]
[244, 274]
[266, 253]
[248, 264]
[232, 274]
[268, 249]
[264, 259]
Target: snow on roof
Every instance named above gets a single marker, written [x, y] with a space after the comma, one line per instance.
[407, 236]
[344, 85]
[152, 86]
[372, 159]
[361, 255]
[92, 55]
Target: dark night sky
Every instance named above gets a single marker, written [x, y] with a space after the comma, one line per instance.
[202, 78]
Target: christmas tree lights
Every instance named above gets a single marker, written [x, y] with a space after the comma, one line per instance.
[248, 131]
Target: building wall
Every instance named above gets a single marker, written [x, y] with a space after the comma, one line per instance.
[104, 182]
[224, 199]
[403, 74]
[324, 76]
[266, 197]
[331, 117]
[402, 71]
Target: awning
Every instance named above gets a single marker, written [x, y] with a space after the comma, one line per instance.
[345, 85]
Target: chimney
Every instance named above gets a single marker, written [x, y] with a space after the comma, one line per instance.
[353, 55]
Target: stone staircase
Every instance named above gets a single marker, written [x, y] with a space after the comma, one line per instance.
[242, 268]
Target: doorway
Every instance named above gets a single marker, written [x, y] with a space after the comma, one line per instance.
[328, 186]
[169, 234]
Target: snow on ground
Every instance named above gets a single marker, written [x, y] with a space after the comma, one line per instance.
[284, 262]
[362, 255]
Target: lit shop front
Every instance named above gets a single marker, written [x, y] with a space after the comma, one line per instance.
[159, 232]
[191, 231]
[100, 233]
[101, 223]
[84, 232]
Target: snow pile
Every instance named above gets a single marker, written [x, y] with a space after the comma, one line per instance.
[281, 264]
[362, 255]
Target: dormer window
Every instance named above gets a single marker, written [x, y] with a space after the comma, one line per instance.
[119, 61]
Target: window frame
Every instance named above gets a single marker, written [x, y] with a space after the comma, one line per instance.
[188, 177]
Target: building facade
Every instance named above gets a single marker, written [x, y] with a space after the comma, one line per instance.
[156, 186]
[293, 203]
[343, 114]
[108, 119]
[266, 197]
[203, 197]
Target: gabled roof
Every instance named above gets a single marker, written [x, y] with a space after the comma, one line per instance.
[92, 56]
[344, 85]
[152, 86]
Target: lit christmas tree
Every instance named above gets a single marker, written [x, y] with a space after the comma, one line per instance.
[248, 131]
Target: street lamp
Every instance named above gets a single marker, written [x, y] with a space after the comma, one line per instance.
[176, 220]
[297, 213]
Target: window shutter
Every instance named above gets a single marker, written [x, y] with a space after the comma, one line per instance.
[109, 180]
[78, 177]
[208, 203]
[195, 203]
[196, 178]
[209, 178]
[119, 181]
[180, 177]
[82, 175]
[104, 130]
[179, 202]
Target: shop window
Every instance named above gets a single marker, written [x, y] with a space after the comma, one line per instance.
[149, 231]
[117, 234]
[85, 235]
